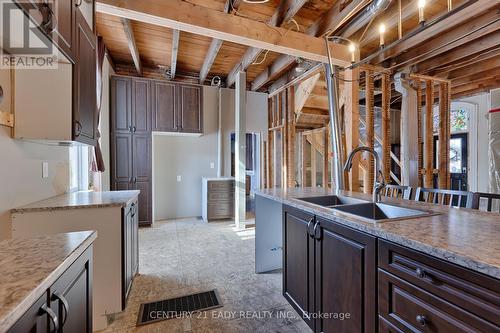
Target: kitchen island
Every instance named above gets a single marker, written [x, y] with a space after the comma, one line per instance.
[437, 271]
[114, 215]
[47, 275]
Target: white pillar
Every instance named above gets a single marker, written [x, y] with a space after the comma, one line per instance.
[240, 150]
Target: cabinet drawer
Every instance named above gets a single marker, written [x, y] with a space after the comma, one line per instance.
[220, 210]
[220, 196]
[412, 309]
[221, 185]
[474, 292]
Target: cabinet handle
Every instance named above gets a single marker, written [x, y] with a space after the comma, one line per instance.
[309, 227]
[421, 320]
[134, 129]
[316, 231]
[420, 273]
[52, 316]
[57, 296]
[135, 180]
[78, 129]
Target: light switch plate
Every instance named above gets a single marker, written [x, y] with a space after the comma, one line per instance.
[179, 178]
[212, 165]
[45, 169]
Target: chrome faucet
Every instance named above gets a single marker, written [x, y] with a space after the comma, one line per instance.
[378, 186]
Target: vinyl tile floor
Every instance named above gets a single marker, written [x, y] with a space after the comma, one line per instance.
[185, 256]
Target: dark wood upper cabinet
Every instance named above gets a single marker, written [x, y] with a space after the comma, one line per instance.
[298, 263]
[190, 109]
[64, 26]
[84, 84]
[345, 278]
[121, 104]
[164, 105]
[141, 106]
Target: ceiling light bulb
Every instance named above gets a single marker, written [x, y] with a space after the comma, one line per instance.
[352, 48]
[381, 28]
[421, 3]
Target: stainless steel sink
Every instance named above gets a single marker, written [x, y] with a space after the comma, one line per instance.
[330, 201]
[379, 212]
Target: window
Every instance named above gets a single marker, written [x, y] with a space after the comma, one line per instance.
[79, 168]
[459, 120]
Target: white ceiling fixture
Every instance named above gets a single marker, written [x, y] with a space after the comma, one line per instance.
[256, 1]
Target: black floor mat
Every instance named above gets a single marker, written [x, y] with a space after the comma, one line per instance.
[178, 307]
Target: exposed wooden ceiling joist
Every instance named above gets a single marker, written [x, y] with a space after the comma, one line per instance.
[177, 14]
[286, 10]
[216, 44]
[127, 26]
[175, 49]
[330, 21]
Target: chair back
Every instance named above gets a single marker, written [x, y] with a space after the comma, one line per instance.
[486, 201]
[397, 191]
[452, 198]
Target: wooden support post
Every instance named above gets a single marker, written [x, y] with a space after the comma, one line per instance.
[429, 134]
[313, 164]
[304, 159]
[370, 130]
[270, 144]
[290, 151]
[240, 151]
[444, 136]
[386, 126]
[351, 118]
[419, 126]
[326, 174]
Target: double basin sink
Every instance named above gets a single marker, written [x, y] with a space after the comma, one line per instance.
[366, 210]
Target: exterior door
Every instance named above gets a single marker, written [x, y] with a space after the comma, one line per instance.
[298, 262]
[458, 161]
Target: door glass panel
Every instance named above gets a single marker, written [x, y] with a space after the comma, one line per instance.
[456, 155]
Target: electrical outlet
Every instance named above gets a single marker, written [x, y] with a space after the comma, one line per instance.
[45, 169]
[179, 178]
[212, 165]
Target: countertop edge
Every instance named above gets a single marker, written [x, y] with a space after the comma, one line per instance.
[23, 306]
[122, 204]
[442, 254]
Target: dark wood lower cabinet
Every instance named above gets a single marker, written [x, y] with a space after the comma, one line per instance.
[345, 268]
[66, 306]
[344, 280]
[130, 256]
[298, 260]
[329, 273]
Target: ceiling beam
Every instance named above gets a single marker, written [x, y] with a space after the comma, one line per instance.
[458, 16]
[487, 64]
[477, 47]
[330, 21]
[475, 88]
[463, 34]
[132, 46]
[178, 14]
[464, 63]
[175, 48]
[285, 12]
[216, 44]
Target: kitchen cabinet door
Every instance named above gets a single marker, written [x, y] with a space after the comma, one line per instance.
[141, 158]
[190, 109]
[164, 106]
[345, 278]
[298, 262]
[64, 32]
[121, 104]
[121, 162]
[84, 85]
[141, 106]
[127, 252]
[71, 296]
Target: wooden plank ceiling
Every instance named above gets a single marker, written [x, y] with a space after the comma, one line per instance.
[466, 50]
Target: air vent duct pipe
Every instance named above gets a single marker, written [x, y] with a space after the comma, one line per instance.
[364, 17]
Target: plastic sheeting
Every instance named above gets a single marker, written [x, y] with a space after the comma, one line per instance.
[494, 150]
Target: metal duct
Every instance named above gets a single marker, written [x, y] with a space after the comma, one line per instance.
[364, 17]
[336, 135]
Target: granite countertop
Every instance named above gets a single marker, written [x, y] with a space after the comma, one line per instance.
[29, 266]
[82, 199]
[466, 237]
